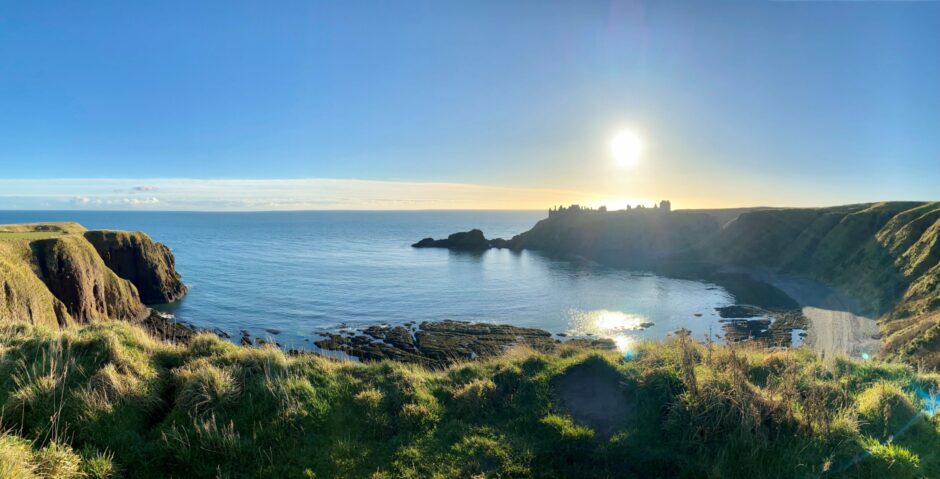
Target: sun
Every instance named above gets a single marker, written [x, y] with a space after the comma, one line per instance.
[626, 147]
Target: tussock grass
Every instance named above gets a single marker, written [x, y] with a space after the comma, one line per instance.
[106, 400]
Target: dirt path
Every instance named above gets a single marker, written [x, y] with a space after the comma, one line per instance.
[594, 396]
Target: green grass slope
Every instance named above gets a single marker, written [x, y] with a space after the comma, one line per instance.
[885, 254]
[23, 295]
[119, 402]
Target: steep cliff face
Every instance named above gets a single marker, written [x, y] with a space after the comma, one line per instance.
[149, 265]
[75, 274]
[23, 295]
[884, 254]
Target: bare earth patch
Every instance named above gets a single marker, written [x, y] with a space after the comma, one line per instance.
[594, 395]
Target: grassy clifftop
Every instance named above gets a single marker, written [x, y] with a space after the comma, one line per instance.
[54, 274]
[107, 400]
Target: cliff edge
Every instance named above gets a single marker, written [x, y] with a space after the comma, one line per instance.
[60, 273]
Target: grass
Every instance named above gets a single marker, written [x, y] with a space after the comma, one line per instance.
[107, 400]
[23, 295]
[28, 235]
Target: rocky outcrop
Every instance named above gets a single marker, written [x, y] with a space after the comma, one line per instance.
[472, 240]
[441, 343]
[75, 274]
[149, 265]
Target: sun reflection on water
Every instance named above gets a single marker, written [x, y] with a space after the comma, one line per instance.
[618, 326]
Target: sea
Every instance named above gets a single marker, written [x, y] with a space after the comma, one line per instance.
[291, 276]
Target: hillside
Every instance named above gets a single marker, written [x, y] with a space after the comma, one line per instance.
[59, 273]
[887, 255]
[107, 400]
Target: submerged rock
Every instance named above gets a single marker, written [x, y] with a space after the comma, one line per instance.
[740, 311]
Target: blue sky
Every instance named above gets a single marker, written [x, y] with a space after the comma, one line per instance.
[465, 104]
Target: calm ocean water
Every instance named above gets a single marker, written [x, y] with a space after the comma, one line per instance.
[303, 272]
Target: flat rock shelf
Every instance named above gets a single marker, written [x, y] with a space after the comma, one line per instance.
[440, 343]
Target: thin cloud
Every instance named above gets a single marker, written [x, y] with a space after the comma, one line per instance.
[273, 194]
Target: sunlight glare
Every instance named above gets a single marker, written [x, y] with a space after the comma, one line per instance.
[626, 147]
[618, 326]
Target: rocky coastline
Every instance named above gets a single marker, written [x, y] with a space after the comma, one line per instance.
[441, 343]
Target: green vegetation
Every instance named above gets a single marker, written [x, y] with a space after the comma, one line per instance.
[107, 400]
[59, 273]
[28, 235]
[885, 254]
[23, 295]
[39, 230]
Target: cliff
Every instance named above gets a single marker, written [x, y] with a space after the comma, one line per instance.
[148, 265]
[23, 295]
[57, 274]
[76, 275]
[864, 249]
